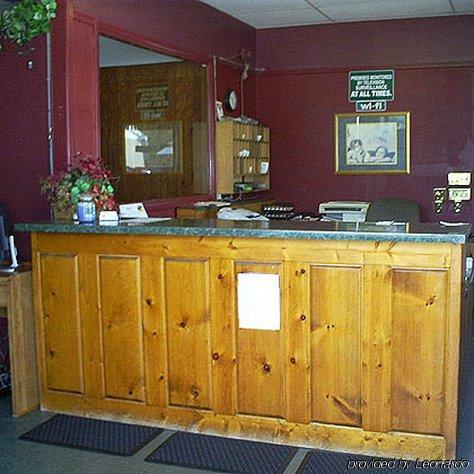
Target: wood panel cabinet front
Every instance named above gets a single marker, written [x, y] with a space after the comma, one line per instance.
[419, 350]
[149, 326]
[336, 306]
[60, 323]
[122, 327]
[187, 300]
[259, 359]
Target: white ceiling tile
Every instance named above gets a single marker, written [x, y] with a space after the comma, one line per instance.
[246, 6]
[280, 13]
[464, 6]
[270, 19]
[351, 10]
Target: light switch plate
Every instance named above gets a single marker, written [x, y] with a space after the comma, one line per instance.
[459, 178]
[439, 195]
[459, 194]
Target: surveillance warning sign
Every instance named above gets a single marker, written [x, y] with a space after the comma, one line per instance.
[371, 85]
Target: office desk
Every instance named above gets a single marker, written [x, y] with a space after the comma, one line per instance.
[142, 322]
[16, 300]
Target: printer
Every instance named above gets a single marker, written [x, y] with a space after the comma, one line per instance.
[347, 211]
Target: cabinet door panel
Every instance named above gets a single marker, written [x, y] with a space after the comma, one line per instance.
[188, 323]
[259, 361]
[419, 309]
[335, 344]
[122, 327]
[61, 323]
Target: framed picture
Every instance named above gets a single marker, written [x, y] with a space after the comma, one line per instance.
[372, 143]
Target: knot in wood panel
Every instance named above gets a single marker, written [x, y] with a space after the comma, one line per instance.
[303, 317]
[149, 302]
[215, 356]
[266, 367]
[430, 301]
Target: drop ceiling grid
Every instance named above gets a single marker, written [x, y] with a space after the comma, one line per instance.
[281, 13]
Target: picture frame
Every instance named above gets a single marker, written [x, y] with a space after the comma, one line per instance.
[152, 148]
[372, 143]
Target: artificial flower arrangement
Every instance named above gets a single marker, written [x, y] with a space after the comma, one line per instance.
[89, 176]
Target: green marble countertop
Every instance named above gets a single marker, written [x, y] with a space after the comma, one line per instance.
[425, 232]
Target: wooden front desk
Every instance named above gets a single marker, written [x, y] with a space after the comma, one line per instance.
[145, 327]
[16, 300]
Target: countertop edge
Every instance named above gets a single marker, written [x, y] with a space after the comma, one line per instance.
[244, 232]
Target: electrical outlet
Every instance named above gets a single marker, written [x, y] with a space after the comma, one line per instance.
[459, 194]
[459, 178]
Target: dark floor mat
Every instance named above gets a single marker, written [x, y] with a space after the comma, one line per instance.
[215, 453]
[94, 435]
[335, 463]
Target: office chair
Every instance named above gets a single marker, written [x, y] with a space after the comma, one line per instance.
[393, 209]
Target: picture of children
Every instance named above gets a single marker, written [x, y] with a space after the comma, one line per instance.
[382, 155]
[372, 143]
[356, 153]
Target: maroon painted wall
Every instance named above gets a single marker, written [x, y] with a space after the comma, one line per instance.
[305, 84]
[187, 25]
[23, 137]
[229, 77]
[399, 42]
[188, 28]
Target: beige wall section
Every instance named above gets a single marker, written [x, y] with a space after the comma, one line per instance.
[344, 371]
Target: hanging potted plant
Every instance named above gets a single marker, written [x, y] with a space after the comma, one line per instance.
[26, 19]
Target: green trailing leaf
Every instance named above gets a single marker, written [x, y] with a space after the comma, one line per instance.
[27, 19]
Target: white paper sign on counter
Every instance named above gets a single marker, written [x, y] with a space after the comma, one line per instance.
[258, 301]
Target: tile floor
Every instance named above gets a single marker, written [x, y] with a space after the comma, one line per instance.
[25, 457]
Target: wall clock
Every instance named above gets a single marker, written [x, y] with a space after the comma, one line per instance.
[231, 100]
